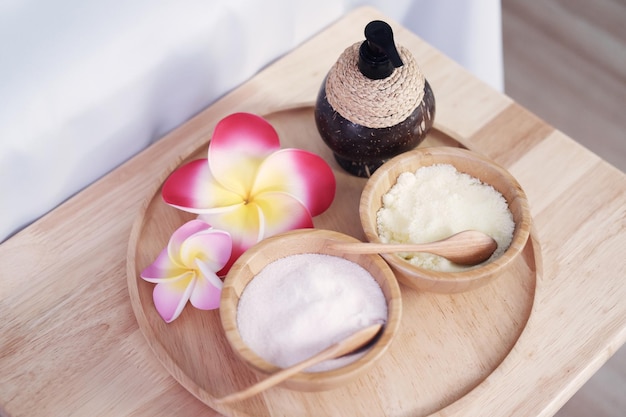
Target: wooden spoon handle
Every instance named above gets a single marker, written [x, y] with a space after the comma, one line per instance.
[340, 348]
[467, 248]
[365, 248]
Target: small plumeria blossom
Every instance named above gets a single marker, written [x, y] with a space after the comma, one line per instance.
[186, 270]
[249, 186]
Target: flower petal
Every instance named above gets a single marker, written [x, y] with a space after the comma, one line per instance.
[211, 247]
[304, 175]
[191, 187]
[281, 212]
[206, 294]
[270, 213]
[162, 269]
[178, 238]
[170, 298]
[239, 144]
[243, 225]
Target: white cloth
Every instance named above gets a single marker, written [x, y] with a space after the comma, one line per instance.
[85, 85]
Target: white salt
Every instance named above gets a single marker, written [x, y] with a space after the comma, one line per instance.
[437, 201]
[301, 304]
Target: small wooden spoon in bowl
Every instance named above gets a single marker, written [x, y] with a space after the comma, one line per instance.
[469, 247]
[350, 344]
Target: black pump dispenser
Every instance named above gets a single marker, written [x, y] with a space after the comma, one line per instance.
[378, 56]
[374, 103]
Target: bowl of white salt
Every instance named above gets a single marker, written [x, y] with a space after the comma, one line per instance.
[429, 194]
[290, 297]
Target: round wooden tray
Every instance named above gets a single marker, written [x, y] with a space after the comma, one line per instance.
[447, 344]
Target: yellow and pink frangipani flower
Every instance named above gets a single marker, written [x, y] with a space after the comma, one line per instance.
[249, 186]
[186, 270]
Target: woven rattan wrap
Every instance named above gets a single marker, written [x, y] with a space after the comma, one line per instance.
[374, 103]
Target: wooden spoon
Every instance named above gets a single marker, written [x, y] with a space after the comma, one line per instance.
[469, 247]
[351, 343]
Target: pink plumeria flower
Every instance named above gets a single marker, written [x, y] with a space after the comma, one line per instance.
[249, 186]
[186, 270]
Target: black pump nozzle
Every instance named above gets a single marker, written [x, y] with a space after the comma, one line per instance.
[378, 56]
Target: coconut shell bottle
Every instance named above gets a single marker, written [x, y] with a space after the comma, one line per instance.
[374, 104]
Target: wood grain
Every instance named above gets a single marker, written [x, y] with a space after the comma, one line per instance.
[565, 61]
[71, 346]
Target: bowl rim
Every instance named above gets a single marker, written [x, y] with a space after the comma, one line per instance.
[233, 288]
[431, 156]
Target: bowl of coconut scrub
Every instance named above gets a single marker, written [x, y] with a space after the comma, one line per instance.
[430, 194]
[291, 296]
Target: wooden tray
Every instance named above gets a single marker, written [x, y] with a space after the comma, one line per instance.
[447, 344]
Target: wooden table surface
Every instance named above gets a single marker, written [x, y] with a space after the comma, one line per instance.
[70, 344]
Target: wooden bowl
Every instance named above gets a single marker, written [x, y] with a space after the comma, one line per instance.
[470, 163]
[296, 242]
